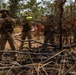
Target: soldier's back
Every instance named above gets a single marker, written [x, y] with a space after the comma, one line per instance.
[26, 27]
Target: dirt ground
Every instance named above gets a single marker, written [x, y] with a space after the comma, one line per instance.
[17, 43]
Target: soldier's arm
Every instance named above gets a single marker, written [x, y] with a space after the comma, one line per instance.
[29, 24]
[3, 23]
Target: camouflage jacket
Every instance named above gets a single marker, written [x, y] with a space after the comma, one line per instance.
[7, 25]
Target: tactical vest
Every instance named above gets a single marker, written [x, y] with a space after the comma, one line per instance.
[6, 27]
[9, 27]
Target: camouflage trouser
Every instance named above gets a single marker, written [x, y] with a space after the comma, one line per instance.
[24, 35]
[75, 37]
[48, 37]
[3, 40]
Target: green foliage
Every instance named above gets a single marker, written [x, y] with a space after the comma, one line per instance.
[32, 7]
[35, 9]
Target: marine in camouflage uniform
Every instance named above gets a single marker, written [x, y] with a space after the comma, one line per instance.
[49, 31]
[25, 31]
[6, 31]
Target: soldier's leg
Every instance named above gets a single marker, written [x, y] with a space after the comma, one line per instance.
[3, 41]
[22, 38]
[74, 32]
[51, 39]
[75, 37]
[11, 42]
[29, 37]
[46, 38]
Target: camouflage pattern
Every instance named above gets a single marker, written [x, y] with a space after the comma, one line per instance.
[6, 30]
[25, 32]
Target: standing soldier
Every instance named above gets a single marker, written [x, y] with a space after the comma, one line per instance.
[6, 30]
[49, 31]
[25, 31]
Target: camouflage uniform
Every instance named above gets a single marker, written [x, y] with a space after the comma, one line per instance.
[6, 31]
[25, 32]
[48, 32]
